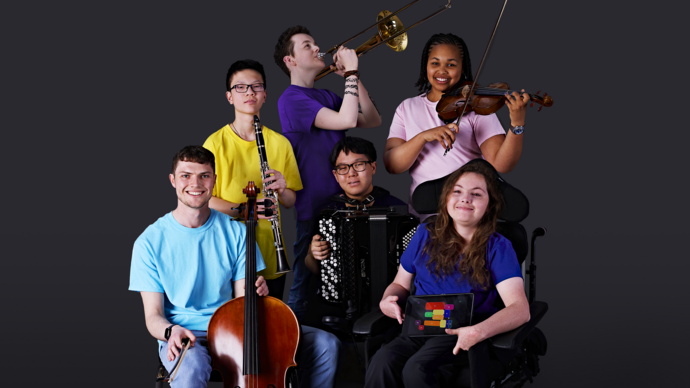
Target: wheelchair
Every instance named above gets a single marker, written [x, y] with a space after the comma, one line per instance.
[506, 360]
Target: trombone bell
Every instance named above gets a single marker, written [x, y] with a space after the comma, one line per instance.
[390, 27]
[387, 34]
[386, 29]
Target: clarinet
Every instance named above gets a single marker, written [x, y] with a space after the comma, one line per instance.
[283, 266]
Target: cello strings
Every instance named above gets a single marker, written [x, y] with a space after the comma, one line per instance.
[250, 296]
[250, 293]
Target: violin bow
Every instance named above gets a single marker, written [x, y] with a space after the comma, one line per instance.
[481, 64]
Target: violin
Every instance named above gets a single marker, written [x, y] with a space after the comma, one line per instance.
[482, 101]
[253, 340]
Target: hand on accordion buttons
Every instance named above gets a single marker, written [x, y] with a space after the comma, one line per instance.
[320, 249]
[277, 181]
[260, 208]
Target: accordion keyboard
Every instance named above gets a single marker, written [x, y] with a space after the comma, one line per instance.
[407, 237]
[338, 270]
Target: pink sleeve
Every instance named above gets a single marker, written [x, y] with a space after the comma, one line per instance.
[398, 124]
[486, 127]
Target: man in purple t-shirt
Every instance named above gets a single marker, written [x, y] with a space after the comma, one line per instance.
[314, 120]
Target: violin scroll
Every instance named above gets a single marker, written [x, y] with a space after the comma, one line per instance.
[545, 101]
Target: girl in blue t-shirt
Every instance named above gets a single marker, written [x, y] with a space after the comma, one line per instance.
[457, 252]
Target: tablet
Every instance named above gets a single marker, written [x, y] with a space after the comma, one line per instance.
[431, 315]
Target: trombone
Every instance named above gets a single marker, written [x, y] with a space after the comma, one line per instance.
[390, 31]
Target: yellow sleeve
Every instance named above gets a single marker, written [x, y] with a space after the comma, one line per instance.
[211, 146]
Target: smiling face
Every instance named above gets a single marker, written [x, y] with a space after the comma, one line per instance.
[305, 52]
[468, 201]
[356, 184]
[443, 69]
[193, 183]
[249, 102]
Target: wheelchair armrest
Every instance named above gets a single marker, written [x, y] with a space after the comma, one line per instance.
[339, 324]
[372, 323]
[512, 339]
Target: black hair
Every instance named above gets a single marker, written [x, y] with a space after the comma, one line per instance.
[353, 144]
[436, 39]
[285, 46]
[245, 64]
[195, 154]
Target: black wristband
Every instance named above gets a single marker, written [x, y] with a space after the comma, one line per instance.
[168, 331]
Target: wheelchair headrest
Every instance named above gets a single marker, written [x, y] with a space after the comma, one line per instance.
[425, 197]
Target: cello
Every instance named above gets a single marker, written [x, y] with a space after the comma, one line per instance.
[253, 340]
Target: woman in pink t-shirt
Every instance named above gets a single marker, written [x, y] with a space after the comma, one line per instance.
[418, 137]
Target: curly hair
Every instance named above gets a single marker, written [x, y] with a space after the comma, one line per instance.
[448, 251]
[436, 39]
[286, 46]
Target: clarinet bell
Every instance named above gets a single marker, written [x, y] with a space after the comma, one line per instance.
[283, 266]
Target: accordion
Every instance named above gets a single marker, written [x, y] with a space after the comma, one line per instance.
[366, 246]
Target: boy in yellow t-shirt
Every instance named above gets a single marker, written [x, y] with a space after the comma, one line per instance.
[237, 160]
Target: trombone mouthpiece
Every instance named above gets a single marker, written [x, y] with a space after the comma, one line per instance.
[321, 55]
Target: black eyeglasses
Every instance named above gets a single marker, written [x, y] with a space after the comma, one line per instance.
[241, 88]
[343, 169]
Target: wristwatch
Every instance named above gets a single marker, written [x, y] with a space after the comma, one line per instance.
[168, 331]
[517, 129]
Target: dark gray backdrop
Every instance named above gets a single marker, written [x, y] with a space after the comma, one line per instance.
[98, 96]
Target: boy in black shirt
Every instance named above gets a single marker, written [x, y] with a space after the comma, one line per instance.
[354, 164]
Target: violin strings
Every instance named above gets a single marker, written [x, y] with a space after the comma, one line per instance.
[498, 91]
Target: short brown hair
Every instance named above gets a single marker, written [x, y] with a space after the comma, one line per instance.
[286, 47]
[195, 154]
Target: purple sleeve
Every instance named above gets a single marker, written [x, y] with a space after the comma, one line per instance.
[315, 221]
[414, 249]
[503, 261]
[300, 110]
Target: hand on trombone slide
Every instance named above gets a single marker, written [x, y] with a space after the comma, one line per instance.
[344, 59]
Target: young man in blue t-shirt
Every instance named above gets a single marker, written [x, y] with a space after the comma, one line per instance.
[314, 120]
[190, 262]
